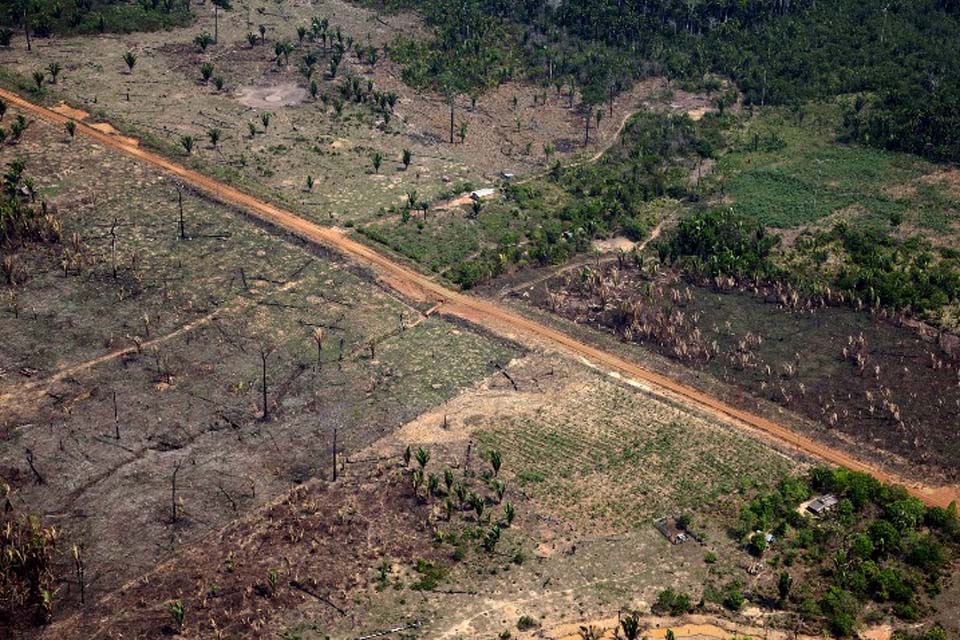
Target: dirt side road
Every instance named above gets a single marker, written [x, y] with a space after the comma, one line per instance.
[483, 312]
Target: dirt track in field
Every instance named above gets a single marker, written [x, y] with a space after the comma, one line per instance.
[483, 312]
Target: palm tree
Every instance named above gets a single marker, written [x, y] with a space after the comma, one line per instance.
[407, 454]
[206, 71]
[462, 131]
[218, 83]
[309, 183]
[38, 77]
[422, 456]
[217, 5]
[71, 127]
[301, 33]
[448, 479]
[252, 39]
[3, 108]
[498, 489]
[214, 134]
[187, 143]
[509, 513]
[263, 34]
[54, 69]
[631, 626]
[265, 119]
[253, 129]
[496, 459]
[476, 503]
[377, 160]
[203, 40]
[407, 157]
[131, 59]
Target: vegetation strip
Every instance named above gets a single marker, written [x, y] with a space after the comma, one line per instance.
[482, 311]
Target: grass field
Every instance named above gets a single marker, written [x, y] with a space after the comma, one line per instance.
[787, 171]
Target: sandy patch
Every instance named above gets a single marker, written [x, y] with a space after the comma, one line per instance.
[107, 128]
[281, 95]
[71, 112]
[611, 245]
[697, 114]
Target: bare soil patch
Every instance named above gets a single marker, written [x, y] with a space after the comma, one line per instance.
[281, 95]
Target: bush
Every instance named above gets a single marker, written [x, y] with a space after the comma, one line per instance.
[525, 623]
[670, 602]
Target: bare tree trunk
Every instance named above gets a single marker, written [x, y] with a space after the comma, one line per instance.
[183, 228]
[334, 454]
[33, 468]
[173, 491]
[452, 98]
[586, 135]
[263, 379]
[216, 24]
[116, 417]
[26, 28]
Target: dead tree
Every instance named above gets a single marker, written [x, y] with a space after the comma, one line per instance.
[264, 354]
[81, 571]
[318, 338]
[182, 225]
[33, 468]
[113, 247]
[334, 454]
[116, 417]
[173, 491]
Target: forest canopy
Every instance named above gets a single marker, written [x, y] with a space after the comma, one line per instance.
[896, 57]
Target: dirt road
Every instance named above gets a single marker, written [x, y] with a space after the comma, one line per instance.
[483, 312]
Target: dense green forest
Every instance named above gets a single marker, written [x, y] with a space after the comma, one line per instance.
[49, 17]
[895, 59]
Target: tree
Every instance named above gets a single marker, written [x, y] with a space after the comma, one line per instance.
[203, 40]
[214, 134]
[422, 456]
[407, 157]
[265, 119]
[309, 183]
[318, 331]
[54, 70]
[206, 71]
[3, 108]
[301, 34]
[38, 77]
[218, 83]
[630, 624]
[263, 34]
[377, 160]
[496, 459]
[462, 131]
[217, 5]
[71, 127]
[187, 143]
[265, 353]
[784, 583]
[131, 59]
[251, 39]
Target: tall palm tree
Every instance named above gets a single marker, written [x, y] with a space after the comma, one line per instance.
[217, 5]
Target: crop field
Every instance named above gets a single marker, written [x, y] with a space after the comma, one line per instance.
[786, 170]
[899, 397]
[614, 458]
[117, 384]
